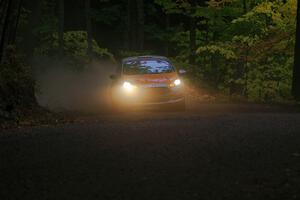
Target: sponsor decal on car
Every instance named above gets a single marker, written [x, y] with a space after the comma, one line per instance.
[155, 85]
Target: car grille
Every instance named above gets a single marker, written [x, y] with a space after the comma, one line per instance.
[156, 91]
[155, 94]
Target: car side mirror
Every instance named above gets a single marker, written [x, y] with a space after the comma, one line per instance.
[182, 72]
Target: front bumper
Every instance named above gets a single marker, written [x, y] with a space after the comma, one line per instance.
[149, 96]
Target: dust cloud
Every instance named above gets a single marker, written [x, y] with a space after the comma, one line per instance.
[61, 88]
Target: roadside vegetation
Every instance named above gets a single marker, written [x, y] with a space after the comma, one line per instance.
[237, 48]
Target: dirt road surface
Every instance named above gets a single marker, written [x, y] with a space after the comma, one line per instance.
[211, 151]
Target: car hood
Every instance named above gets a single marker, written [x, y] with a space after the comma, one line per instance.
[143, 79]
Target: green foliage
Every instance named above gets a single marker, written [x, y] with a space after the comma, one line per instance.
[241, 50]
[249, 54]
[107, 15]
[48, 23]
[16, 82]
[194, 75]
[174, 7]
[244, 52]
[75, 48]
[125, 54]
[221, 50]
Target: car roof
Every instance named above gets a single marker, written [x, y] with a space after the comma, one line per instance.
[144, 57]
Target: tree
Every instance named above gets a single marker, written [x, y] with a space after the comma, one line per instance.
[245, 6]
[30, 40]
[88, 26]
[133, 24]
[296, 72]
[10, 15]
[4, 32]
[128, 23]
[141, 22]
[16, 85]
[193, 31]
[15, 21]
[61, 24]
[167, 25]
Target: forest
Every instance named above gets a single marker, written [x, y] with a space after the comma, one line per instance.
[240, 48]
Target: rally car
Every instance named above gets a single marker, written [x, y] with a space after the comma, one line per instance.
[147, 81]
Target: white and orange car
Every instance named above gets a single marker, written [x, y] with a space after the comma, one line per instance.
[148, 81]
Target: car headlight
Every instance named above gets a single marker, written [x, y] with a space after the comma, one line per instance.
[128, 87]
[177, 82]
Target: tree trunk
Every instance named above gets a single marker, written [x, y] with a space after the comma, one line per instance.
[127, 31]
[192, 59]
[1, 3]
[30, 41]
[89, 27]
[296, 72]
[15, 22]
[61, 24]
[4, 34]
[245, 6]
[3, 10]
[10, 24]
[193, 32]
[141, 23]
[133, 25]
[167, 44]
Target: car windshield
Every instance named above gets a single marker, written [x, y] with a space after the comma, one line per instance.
[156, 66]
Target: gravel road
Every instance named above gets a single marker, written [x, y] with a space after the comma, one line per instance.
[212, 151]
